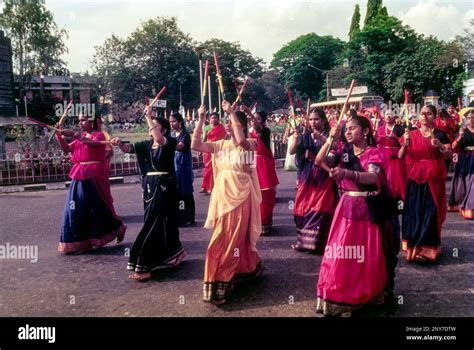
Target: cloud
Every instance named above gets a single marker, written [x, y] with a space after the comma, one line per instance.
[260, 26]
[434, 18]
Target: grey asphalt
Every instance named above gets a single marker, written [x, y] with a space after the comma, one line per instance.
[96, 283]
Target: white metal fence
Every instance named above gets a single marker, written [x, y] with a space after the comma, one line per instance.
[16, 169]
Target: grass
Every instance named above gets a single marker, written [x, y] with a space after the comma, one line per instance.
[132, 137]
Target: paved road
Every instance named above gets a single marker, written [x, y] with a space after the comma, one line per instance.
[96, 283]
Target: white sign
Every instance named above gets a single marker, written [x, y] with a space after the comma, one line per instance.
[160, 104]
[357, 90]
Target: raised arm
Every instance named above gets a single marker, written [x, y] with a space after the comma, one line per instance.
[236, 126]
[196, 143]
[248, 111]
[294, 146]
[154, 128]
[320, 159]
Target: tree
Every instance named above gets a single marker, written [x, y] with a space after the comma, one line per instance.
[433, 64]
[234, 63]
[37, 42]
[156, 54]
[376, 46]
[292, 63]
[267, 91]
[466, 42]
[374, 7]
[355, 22]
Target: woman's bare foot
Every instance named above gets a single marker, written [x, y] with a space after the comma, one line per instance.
[140, 277]
[180, 258]
[120, 237]
[218, 302]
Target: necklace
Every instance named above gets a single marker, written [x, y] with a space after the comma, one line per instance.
[359, 153]
[429, 134]
[391, 130]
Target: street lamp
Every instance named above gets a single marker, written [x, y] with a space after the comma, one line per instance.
[71, 93]
[327, 79]
[41, 85]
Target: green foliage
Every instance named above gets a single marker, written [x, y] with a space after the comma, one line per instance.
[234, 62]
[155, 55]
[37, 42]
[159, 54]
[355, 22]
[374, 8]
[433, 64]
[43, 108]
[291, 62]
[376, 46]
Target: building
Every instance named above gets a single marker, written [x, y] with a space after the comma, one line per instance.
[468, 93]
[80, 88]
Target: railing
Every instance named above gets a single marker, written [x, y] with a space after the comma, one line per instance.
[279, 148]
[17, 169]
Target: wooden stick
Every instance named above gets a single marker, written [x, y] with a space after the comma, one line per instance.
[308, 106]
[44, 124]
[206, 74]
[219, 75]
[239, 93]
[158, 95]
[61, 120]
[346, 102]
[405, 107]
[459, 109]
[303, 113]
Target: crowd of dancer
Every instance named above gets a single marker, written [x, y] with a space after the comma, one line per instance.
[367, 187]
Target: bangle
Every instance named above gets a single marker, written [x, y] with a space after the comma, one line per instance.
[153, 128]
[356, 176]
[237, 126]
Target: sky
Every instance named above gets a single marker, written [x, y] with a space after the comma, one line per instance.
[260, 26]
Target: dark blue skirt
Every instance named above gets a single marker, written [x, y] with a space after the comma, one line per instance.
[183, 164]
[462, 191]
[419, 219]
[87, 220]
